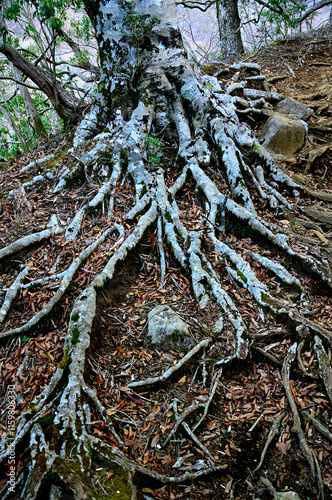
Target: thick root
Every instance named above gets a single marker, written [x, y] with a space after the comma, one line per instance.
[210, 144]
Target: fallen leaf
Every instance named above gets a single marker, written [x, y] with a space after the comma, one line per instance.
[148, 490]
[155, 440]
[280, 446]
[182, 380]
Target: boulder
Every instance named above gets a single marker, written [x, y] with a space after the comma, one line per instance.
[288, 495]
[167, 331]
[283, 135]
[296, 109]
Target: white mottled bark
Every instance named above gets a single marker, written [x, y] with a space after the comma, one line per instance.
[149, 85]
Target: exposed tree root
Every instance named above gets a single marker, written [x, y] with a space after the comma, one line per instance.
[273, 432]
[65, 282]
[210, 398]
[324, 366]
[306, 450]
[204, 119]
[174, 368]
[24, 242]
[319, 426]
[11, 293]
[300, 362]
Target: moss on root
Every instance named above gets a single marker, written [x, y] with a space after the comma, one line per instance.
[65, 359]
[75, 334]
[209, 70]
[73, 480]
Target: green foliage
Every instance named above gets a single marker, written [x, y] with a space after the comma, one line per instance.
[9, 142]
[81, 29]
[277, 19]
[80, 58]
[12, 11]
[283, 14]
[51, 11]
[257, 148]
[12, 149]
[290, 11]
[154, 150]
[139, 25]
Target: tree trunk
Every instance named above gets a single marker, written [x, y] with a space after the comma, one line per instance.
[149, 87]
[229, 29]
[13, 125]
[66, 105]
[32, 110]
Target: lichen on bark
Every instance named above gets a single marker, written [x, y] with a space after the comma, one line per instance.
[164, 90]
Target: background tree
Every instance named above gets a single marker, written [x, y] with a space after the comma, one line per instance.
[40, 64]
[202, 33]
[229, 24]
[11, 122]
[38, 125]
[261, 20]
[151, 91]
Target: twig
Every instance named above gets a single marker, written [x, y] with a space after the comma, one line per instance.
[273, 431]
[325, 370]
[306, 450]
[300, 362]
[102, 489]
[173, 369]
[182, 417]
[318, 425]
[211, 395]
[289, 69]
[255, 423]
[197, 441]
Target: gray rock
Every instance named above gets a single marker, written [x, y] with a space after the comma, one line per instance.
[56, 493]
[285, 158]
[296, 109]
[283, 135]
[166, 330]
[288, 495]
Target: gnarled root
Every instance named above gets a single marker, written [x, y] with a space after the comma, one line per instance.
[220, 268]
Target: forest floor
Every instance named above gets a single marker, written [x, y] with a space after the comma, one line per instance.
[250, 395]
